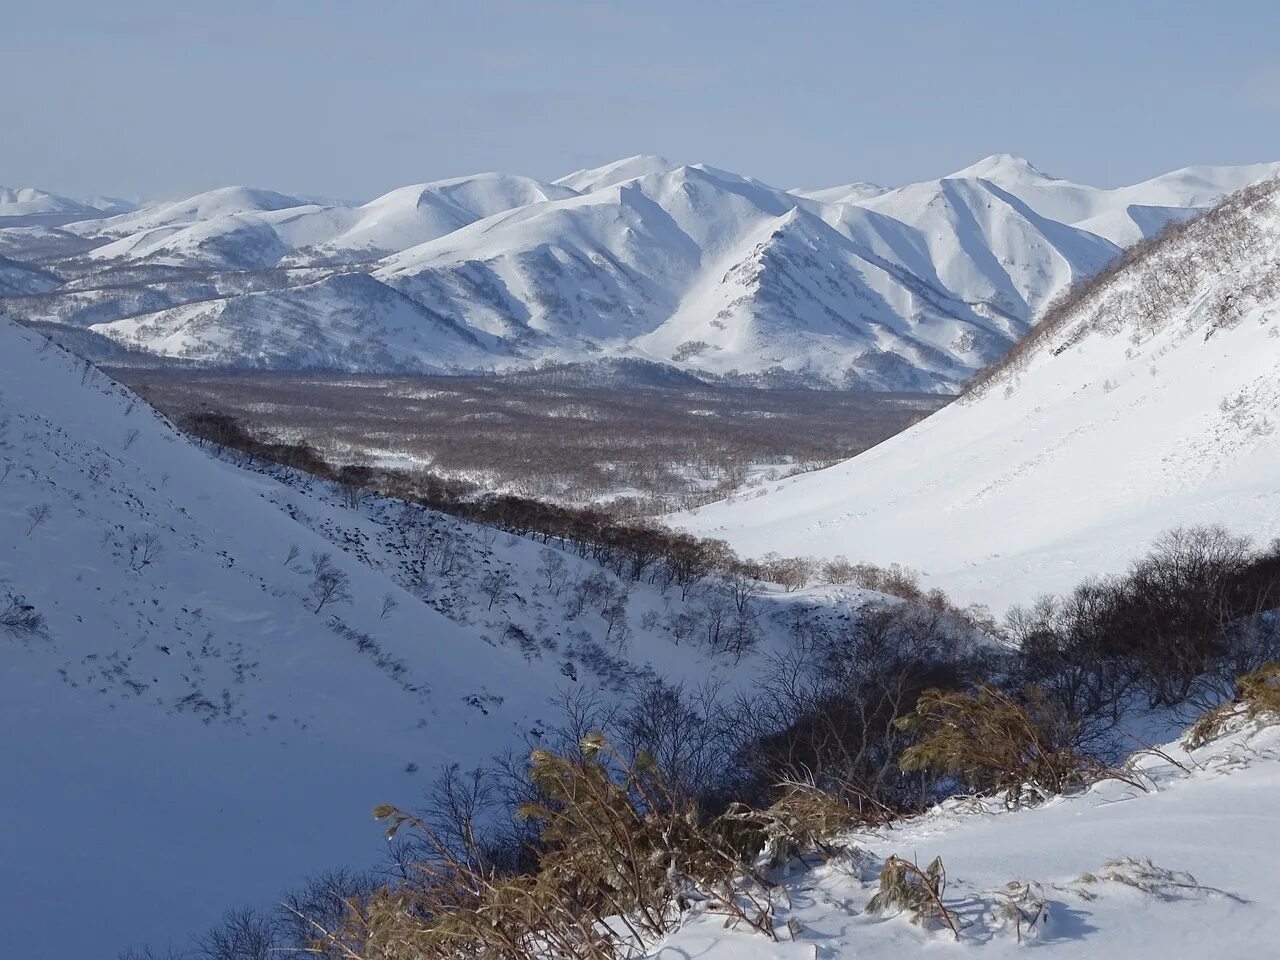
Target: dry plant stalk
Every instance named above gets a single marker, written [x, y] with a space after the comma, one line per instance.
[907, 888]
[624, 861]
[998, 744]
[1256, 693]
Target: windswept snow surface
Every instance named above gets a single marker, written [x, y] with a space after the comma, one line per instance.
[912, 288]
[1120, 424]
[1200, 835]
[188, 734]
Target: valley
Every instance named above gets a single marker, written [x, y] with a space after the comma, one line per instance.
[644, 449]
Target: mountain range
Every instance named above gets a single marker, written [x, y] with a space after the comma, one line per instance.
[705, 270]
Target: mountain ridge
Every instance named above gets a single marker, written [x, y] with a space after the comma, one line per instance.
[913, 287]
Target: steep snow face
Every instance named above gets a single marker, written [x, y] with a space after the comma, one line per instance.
[1171, 869]
[183, 682]
[1152, 403]
[991, 248]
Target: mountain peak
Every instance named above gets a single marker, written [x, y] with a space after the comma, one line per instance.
[619, 171]
[1001, 167]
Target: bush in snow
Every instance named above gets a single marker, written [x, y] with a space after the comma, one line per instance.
[1258, 693]
[994, 743]
[19, 617]
[623, 860]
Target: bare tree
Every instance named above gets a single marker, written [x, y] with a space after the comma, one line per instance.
[292, 555]
[243, 934]
[553, 568]
[130, 437]
[144, 550]
[389, 603]
[495, 585]
[744, 589]
[37, 515]
[329, 584]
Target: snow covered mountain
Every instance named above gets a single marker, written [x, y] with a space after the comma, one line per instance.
[1147, 401]
[910, 288]
[226, 727]
[29, 205]
[30, 202]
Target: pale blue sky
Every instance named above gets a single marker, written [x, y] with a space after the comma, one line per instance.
[350, 99]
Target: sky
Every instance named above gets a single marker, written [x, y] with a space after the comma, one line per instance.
[351, 99]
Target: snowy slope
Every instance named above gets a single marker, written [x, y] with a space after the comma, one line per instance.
[21, 278]
[348, 322]
[1183, 868]
[1123, 214]
[223, 738]
[239, 228]
[225, 201]
[1151, 403]
[853, 192]
[611, 174]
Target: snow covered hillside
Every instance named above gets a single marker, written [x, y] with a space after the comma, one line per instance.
[1148, 401]
[1184, 866]
[853, 286]
[234, 666]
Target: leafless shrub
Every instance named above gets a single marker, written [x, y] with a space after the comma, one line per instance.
[18, 617]
[389, 603]
[241, 934]
[329, 584]
[36, 515]
[497, 586]
[144, 550]
[996, 743]
[553, 568]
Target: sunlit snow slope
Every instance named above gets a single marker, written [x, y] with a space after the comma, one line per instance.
[1152, 402]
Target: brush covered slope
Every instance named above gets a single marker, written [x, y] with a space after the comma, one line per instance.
[229, 667]
[853, 286]
[1146, 400]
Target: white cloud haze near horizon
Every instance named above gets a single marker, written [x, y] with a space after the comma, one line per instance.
[348, 100]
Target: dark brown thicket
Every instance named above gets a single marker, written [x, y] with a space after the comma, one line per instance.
[647, 450]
